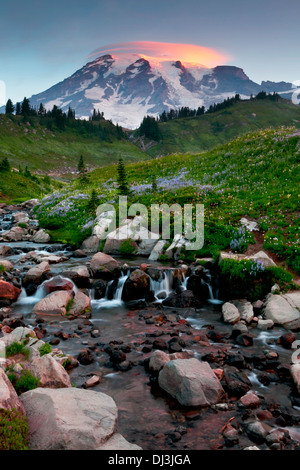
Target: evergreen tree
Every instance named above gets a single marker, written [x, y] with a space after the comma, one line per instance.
[81, 164]
[41, 111]
[9, 108]
[25, 107]
[123, 187]
[18, 109]
[4, 165]
[27, 172]
[154, 185]
[93, 202]
[83, 176]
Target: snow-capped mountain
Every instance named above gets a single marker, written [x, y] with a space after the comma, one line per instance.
[128, 87]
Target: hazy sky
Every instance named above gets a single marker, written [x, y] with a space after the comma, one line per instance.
[44, 41]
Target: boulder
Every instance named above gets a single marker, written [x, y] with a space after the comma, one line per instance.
[8, 396]
[283, 310]
[137, 286]
[91, 244]
[20, 217]
[18, 335]
[230, 313]
[191, 382]
[50, 372]
[79, 275]
[81, 306]
[250, 400]
[6, 265]
[41, 236]
[118, 442]
[184, 299]
[15, 234]
[58, 283]
[295, 372]
[158, 360]
[265, 324]
[53, 304]
[37, 274]
[71, 419]
[245, 309]
[8, 291]
[102, 264]
[262, 257]
[236, 383]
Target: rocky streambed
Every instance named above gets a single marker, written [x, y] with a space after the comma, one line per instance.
[184, 369]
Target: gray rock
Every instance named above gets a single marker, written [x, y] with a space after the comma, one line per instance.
[283, 310]
[191, 382]
[41, 236]
[8, 397]
[230, 313]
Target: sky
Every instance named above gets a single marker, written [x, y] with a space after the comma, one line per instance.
[44, 41]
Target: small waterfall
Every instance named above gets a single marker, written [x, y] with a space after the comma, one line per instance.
[40, 293]
[163, 287]
[212, 299]
[184, 281]
[116, 301]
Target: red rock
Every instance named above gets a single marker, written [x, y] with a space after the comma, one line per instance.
[250, 400]
[8, 291]
[219, 373]
[57, 283]
[6, 330]
[143, 267]
[264, 415]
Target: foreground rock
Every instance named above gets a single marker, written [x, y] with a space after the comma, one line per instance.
[37, 274]
[8, 292]
[53, 304]
[50, 372]
[191, 382]
[72, 419]
[284, 310]
[81, 306]
[8, 397]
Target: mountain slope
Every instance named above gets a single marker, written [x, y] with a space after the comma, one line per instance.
[128, 87]
[44, 148]
[204, 132]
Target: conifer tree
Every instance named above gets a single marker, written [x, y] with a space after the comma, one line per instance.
[9, 108]
[4, 164]
[93, 202]
[123, 187]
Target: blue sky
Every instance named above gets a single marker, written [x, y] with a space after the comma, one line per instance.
[44, 41]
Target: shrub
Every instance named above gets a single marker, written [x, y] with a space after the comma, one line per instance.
[22, 225]
[17, 348]
[13, 430]
[22, 380]
[45, 349]
[127, 247]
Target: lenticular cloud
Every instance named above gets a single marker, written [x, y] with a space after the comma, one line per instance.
[162, 51]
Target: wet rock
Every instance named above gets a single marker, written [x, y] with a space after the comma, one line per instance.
[92, 381]
[8, 291]
[5, 250]
[86, 357]
[8, 397]
[53, 304]
[15, 234]
[137, 286]
[158, 360]
[103, 265]
[81, 306]
[99, 288]
[79, 275]
[57, 283]
[176, 344]
[79, 254]
[244, 339]
[230, 313]
[257, 431]
[117, 357]
[265, 324]
[124, 366]
[184, 299]
[250, 400]
[37, 274]
[191, 382]
[236, 383]
[160, 344]
[239, 328]
[287, 340]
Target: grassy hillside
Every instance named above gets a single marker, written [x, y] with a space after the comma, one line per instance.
[256, 175]
[46, 149]
[204, 132]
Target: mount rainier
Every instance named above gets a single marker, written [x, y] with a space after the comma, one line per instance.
[128, 87]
